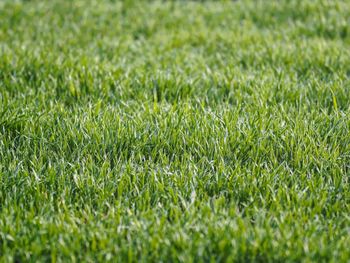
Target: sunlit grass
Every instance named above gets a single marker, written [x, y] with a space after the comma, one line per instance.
[174, 131]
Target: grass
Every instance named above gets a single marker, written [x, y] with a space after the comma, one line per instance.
[174, 131]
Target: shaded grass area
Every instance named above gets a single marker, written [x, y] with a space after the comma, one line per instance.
[174, 131]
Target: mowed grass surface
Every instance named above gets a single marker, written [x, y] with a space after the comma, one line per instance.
[174, 131]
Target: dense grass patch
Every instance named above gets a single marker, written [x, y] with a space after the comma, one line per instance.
[174, 131]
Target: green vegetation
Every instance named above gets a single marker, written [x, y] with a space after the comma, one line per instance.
[174, 131]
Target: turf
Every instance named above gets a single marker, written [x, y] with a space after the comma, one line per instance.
[174, 131]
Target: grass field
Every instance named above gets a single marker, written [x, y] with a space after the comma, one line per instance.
[174, 131]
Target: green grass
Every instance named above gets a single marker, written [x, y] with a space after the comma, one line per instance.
[174, 131]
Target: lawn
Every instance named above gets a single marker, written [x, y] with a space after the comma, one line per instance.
[174, 131]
